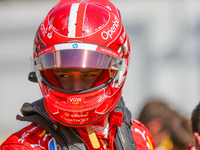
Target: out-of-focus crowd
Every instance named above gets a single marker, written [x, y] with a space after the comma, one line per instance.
[171, 130]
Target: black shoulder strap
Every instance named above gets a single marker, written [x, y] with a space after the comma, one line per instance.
[65, 136]
[123, 136]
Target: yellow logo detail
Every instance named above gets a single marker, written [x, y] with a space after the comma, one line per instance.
[42, 134]
[75, 103]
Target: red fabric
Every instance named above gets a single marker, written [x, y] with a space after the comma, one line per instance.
[34, 137]
[142, 136]
[31, 137]
[111, 137]
[116, 119]
[105, 76]
[51, 78]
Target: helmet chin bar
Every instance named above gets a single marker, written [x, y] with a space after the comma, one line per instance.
[80, 125]
[75, 92]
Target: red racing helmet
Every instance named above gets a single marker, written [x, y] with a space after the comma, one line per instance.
[81, 35]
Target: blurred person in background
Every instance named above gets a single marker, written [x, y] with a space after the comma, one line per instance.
[195, 120]
[170, 129]
[80, 60]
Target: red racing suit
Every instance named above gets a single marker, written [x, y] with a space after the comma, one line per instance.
[34, 137]
[117, 136]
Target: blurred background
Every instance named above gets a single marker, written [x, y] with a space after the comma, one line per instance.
[165, 57]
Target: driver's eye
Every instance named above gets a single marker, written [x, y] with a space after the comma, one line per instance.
[64, 76]
[89, 75]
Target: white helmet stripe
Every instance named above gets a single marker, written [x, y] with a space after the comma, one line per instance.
[76, 46]
[72, 19]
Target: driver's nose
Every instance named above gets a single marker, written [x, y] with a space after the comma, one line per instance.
[77, 84]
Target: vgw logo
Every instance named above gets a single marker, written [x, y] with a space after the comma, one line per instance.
[75, 100]
[53, 145]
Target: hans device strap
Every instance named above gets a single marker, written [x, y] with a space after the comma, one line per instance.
[68, 138]
[65, 136]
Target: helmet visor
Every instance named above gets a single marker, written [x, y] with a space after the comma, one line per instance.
[76, 58]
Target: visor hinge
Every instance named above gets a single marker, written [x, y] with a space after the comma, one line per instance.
[32, 77]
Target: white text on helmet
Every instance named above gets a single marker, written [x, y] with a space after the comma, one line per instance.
[79, 115]
[75, 99]
[108, 34]
[77, 120]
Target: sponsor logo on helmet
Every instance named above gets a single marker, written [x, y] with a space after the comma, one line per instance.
[108, 34]
[43, 29]
[77, 115]
[44, 51]
[75, 45]
[77, 120]
[75, 100]
[122, 37]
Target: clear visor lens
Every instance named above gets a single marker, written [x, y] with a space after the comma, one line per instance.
[77, 58]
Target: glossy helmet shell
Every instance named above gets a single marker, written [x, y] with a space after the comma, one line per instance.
[93, 23]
